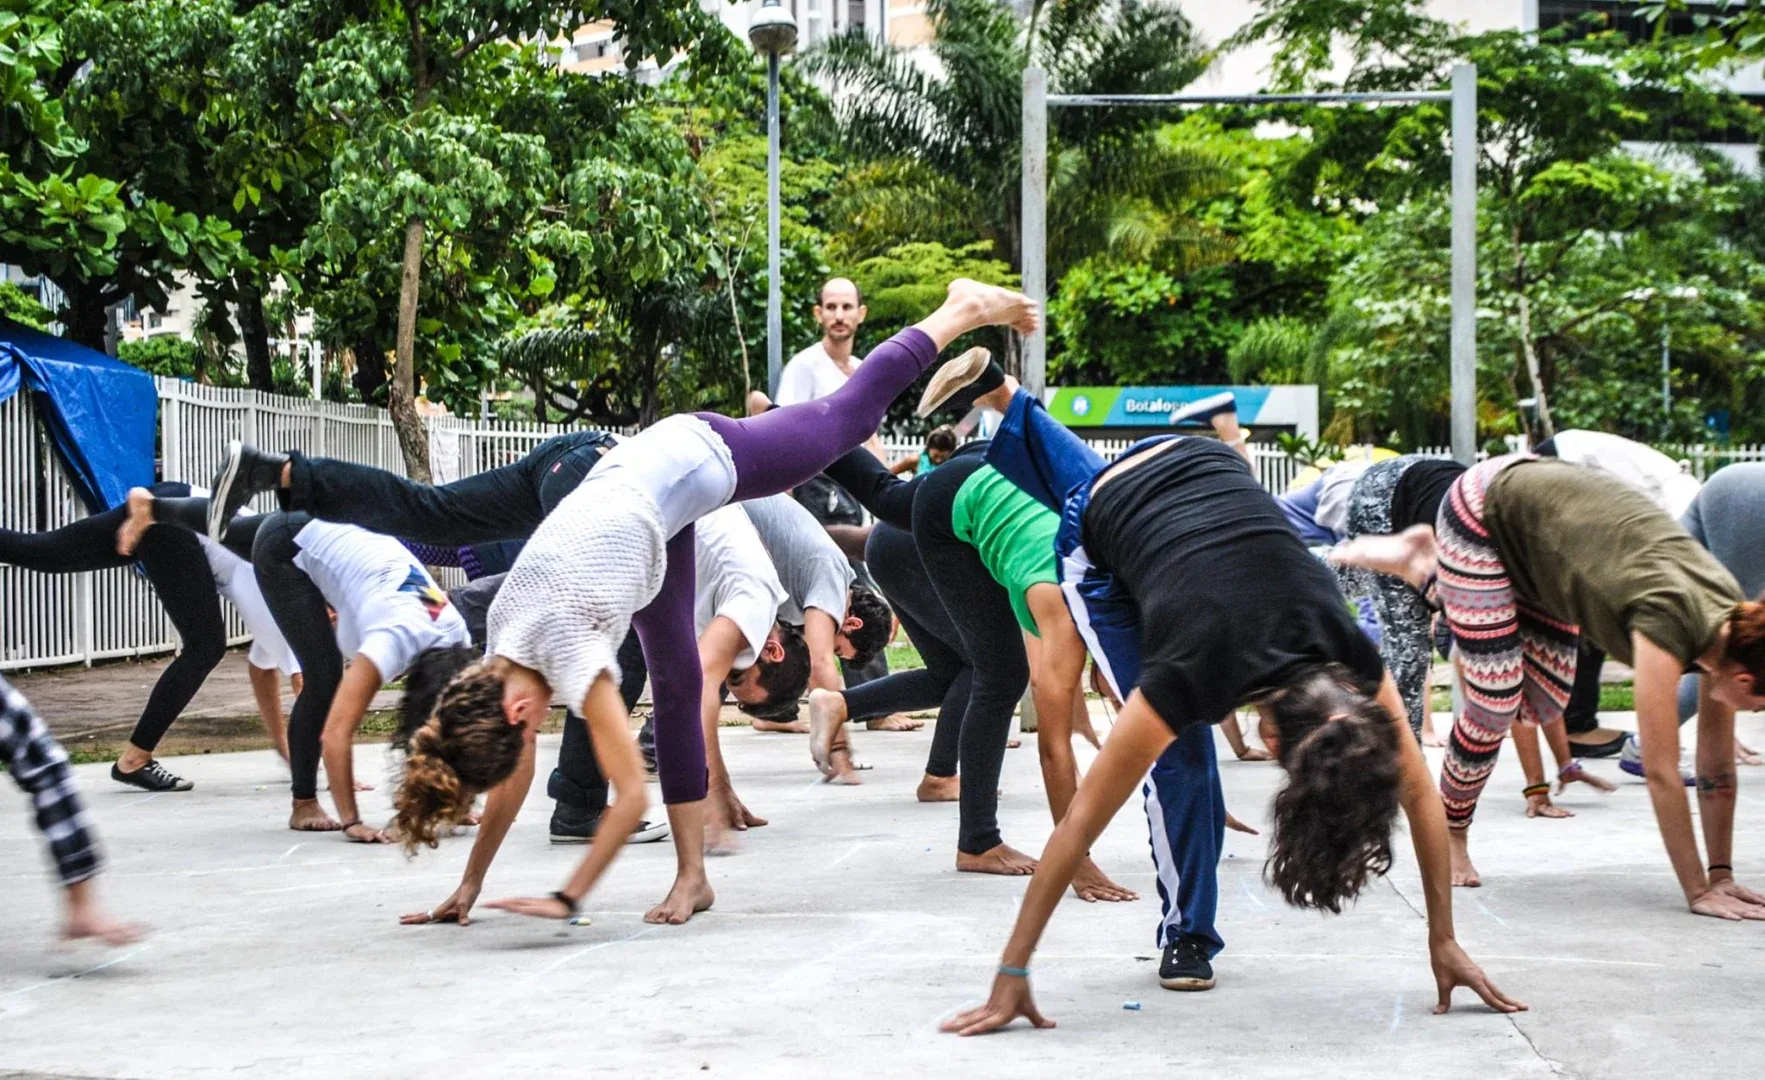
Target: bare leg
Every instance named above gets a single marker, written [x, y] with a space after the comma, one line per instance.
[691, 892]
[1225, 425]
[266, 687]
[795, 727]
[1410, 555]
[139, 504]
[1081, 719]
[1538, 803]
[939, 788]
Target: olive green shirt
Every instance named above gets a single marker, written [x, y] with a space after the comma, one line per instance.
[1582, 547]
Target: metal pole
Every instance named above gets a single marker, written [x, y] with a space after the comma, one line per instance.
[774, 293]
[1464, 263]
[1033, 234]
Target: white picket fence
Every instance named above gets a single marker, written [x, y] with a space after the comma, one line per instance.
[47, 620]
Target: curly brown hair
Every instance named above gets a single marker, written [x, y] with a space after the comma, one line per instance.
[466, 746]
[1334, 816]
[1746, 640]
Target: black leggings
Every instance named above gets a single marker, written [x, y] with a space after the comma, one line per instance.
[945, 680]
[577, 780]
[980, 609]
[302, 615]
[507, 503]
[174, 564]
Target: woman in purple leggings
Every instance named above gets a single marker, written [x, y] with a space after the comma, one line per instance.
[618, 552]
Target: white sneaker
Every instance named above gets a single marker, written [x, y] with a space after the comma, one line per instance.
[1200, 412]
[1630, 760]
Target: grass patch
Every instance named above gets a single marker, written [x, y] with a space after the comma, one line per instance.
[903, 657]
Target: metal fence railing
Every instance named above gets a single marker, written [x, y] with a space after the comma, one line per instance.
[47, 620]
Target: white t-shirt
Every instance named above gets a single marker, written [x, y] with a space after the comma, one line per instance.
[680, 462]
[811, 374]
[1654, 475]
[814, 571]
[736, 580]
[237, 581]
[388, 607]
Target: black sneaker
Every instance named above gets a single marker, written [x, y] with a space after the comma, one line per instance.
[1185, 965]
[577, 825]
[646, 744]
[960, 381]
[245, 472]
[151, 777]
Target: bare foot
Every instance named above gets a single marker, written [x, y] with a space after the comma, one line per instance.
[1745, 755]
[1092, 884]
[1540, 805]
[1003, 859]
[827, 722]
[939, 788]
[795, 727]
[140, 519]
[896, 722]
[360, 785]
[995, 306]
[1430, 737]
[309, 816]
[1409, 555]
[1464, 875]
[687, 898]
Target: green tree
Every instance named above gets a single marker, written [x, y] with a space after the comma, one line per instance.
[70, 207]
[21, 307]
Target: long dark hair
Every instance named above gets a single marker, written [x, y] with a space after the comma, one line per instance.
[1334, 816]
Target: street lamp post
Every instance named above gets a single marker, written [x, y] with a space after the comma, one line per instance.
[773, 31]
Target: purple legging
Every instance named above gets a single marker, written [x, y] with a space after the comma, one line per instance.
[772, 452]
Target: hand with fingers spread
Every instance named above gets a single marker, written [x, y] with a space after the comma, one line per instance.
[1091, 885]
[455, 909]
[1453, 969]
[1729, 899]
[1538, 804]
[1010, 999]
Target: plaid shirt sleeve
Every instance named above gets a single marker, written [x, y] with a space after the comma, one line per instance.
[40, 766]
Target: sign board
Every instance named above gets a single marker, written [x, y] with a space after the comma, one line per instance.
[1294, 407]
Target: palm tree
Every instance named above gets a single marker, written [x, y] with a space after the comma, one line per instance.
[1115, 184]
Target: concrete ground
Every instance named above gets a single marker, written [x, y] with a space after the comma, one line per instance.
[841, 936]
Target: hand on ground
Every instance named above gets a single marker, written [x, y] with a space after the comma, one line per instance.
[538, 907]
[456, 909]
[1010, 999]
[1091, 885]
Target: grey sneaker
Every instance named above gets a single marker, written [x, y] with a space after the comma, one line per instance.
[1630, 760]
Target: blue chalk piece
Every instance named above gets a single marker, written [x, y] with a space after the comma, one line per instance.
[1131, 1006]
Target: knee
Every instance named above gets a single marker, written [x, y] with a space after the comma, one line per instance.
[205, 650]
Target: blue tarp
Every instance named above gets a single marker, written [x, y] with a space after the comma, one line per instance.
[101, 413]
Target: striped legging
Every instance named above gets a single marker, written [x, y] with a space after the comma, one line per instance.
[1515, 660]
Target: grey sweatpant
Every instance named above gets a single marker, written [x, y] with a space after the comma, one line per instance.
[1725, 518]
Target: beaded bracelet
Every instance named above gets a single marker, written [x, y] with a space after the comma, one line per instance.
[1535, 789]
[561, 898]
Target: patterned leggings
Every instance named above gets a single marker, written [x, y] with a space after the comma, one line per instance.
[1515, 660]
[1406, 642]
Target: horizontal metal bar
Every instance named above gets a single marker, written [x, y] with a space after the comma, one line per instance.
[1246, 99]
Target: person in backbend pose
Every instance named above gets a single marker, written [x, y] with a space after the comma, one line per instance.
[1196, 595]
[617, 552]
[1529, 554]
[188, 575]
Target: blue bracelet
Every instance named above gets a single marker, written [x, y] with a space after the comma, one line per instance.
[1018, 973]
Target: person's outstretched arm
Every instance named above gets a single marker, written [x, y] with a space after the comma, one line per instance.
[361, 681]
[1427, 820]
[500, 808]
[1718, 788]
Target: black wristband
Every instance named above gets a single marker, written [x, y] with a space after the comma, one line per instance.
[1721, 866]
[561, 897]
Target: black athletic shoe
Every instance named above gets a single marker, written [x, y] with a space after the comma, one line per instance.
[245, 472]
[577, 825]
[646, 744]
[1185, 965]
[960, 381]
[151, 777]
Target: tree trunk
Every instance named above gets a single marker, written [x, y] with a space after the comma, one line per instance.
[84, 314]
[260, 372]
[413, 438]
[1532, 372]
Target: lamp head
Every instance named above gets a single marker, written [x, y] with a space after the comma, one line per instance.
[772, 29]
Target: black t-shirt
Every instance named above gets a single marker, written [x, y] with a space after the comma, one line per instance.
[1232, 605]
[1420, 490]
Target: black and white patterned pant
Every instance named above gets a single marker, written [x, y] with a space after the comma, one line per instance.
[1405, 619]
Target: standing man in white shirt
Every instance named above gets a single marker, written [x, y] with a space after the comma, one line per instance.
[825, 366]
